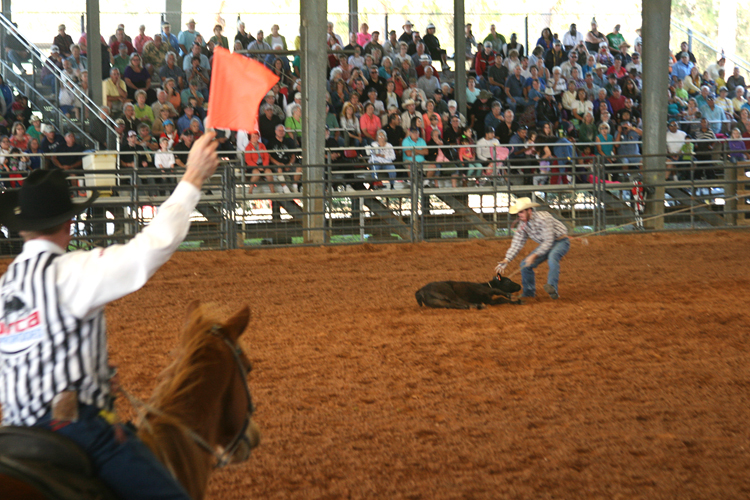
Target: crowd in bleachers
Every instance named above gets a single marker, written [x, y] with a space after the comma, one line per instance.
[572, 95]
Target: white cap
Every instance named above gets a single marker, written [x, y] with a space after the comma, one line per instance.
[452, 104]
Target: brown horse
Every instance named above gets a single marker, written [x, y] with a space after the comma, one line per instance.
[200, 416]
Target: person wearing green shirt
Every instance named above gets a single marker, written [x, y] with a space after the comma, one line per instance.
[143, 111]
[615, 39]
[497, 40]
[122, 59]
[218, 38]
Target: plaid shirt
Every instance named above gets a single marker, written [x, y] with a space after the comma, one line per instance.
[541, 228]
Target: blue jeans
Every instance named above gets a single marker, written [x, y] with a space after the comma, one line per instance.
[520, 101]
[129, 469]
[384, 166]
[558, 250]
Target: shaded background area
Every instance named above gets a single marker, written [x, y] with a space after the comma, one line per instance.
[633, 385]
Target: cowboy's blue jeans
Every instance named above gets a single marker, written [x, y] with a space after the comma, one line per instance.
[558, 250]
[129, 469]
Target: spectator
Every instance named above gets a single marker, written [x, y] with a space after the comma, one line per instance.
[334, 39]
[77, 61]
[63, 41]
[415, 148]
[258, 161]
[115, 91]
[635, 63]
[432, 44]
[122, 59]
[705, 141]
[187, 37]
[141, 39]
[555, 57]
[739, 100]
[137, 77]
[170, 38]
[605, 143]
[496, 39]
[283, 159]
[71, 162]
[546, 40]
[616, 100]
[594, 37]
[513, 45]
[484, 60]
[682, 68]
[676, 139]
[514, 87]
[557, 83]
[472, 92]
[34, 130]
[713, 114]
[428, 83]
[684, 50]
[274, 38]
[143, 112]
[486, 151]
[157, 128]
[119, 39]
[165, 160]
[615, 39]
[19, 138]
[736, 80]
[511, 61]
[549, 110]
[52, 142]
[504, 128]
[693, 82]
[199, 78]
[572, 38]
[182, 149]
[382, 156]
[588, 129]
[724, 103]
[218, 38]
[15, 48]
[363, 37]
[155, 55]
[407, 35]
[53, 63]
[571, 63]
[171, 69]
[628, 136]
[195, 53]
[479, 111]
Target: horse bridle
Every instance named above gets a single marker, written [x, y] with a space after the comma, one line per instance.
[226, 457]
[223, 459]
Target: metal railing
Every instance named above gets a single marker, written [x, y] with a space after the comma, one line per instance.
[428, 201]
[27, 83]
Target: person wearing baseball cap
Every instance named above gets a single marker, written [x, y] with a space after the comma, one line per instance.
[552, 237]
[432, 44]
[66, 307]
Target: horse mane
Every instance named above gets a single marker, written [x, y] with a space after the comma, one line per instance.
[165, 433]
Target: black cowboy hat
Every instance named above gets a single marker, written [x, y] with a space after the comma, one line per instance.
[42, 202]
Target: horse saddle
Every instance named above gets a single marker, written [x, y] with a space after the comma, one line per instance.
[53, 465]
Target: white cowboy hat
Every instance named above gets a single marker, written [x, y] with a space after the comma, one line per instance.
[521, 205]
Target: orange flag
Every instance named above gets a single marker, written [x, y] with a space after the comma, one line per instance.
[238, 85]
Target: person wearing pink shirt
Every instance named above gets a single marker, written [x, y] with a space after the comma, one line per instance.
[363, 37]
[141, 39]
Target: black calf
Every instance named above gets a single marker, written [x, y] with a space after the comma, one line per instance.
[466, 295]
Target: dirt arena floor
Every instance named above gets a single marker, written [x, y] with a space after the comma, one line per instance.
[635, 384]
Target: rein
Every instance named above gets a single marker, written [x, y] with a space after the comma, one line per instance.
[222, 459]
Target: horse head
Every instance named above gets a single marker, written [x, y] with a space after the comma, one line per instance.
[202, 409]
[237, 434]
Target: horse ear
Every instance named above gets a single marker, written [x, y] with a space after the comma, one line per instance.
[237, 323]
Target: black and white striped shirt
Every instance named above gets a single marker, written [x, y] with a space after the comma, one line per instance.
[52, 326]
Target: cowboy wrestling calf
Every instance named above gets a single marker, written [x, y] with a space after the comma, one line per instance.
[466, 295]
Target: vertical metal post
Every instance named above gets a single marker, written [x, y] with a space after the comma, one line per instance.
[94, 54]
[656, 15]
[174, 15]
[7, 9]
[313, 61]
[529, 49]
[459, 27]
[83, 23]
[690, 39]
[353, 17]
[385, 29]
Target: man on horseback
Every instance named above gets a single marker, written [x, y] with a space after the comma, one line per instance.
[54, 370]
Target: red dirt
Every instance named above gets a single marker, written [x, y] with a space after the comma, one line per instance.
[633, 385]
